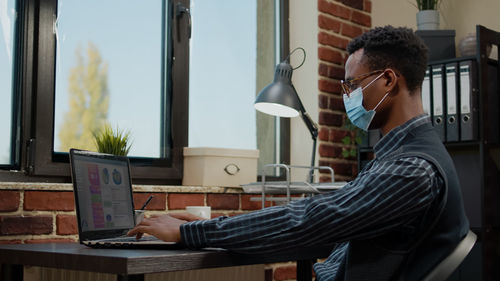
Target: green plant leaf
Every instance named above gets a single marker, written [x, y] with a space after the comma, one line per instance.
[345, 153]
[346, 140]
[353, 152]
[427, 4]
[112, 142]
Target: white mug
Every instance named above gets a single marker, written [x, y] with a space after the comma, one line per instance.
[200, 211]
[139, 216]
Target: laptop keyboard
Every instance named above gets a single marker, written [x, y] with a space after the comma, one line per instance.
[129, 239]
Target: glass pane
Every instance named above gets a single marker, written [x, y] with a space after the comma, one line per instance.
[109, 71]
[232, 57]
[7, 21]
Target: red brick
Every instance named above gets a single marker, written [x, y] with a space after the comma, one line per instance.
[368, 6]
[328, 23]
[330, 119]
[356, 4]
[323, 101]
[334, 9]
[324, 178]
[40, 241]
[336, 103]
[11, 241]
[158, 202]
[332, 40]
[285, 273]
[336, 72]
[246, 204]
[361, 18]
[232, 214]
[223, 201]
[49, 201]
[345, 169]
[330, 151]
[66, 225]
[336, 135]
[178, 201]
[280, 203]
[9, 201]
[330, 55]
[351, 30]
[323, 70]
[16, 225]
[329, 86]
[324, 134]
[354, 170]
[216, 215]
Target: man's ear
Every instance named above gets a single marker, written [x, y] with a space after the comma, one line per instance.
[391, 79]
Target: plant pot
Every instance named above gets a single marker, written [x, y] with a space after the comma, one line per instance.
[428, 20]
[468, 45]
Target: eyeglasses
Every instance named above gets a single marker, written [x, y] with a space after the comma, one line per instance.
[350, 85]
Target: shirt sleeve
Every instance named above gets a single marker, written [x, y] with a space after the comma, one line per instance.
[383, 197]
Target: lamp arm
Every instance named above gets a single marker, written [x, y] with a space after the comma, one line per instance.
[313, 128]
[310, 124]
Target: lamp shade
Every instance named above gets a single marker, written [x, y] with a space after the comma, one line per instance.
[279, 98]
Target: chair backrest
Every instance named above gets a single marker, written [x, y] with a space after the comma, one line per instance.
[447, 266]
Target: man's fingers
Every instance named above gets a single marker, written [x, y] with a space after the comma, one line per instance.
[185, 216]
[140, 229]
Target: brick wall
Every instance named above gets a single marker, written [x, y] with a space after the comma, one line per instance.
[339, 21]
[40, 213]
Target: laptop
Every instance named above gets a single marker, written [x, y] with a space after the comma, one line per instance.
[104, 202]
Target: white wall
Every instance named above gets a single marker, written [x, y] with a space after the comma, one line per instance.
[304, 33]
[459, 15]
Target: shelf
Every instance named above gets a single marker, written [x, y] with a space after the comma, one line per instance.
[280, 187]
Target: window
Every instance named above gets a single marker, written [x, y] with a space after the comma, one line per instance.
[233, 54]
[109, 71]
[127, 64]
[124, 50]
[7, 24]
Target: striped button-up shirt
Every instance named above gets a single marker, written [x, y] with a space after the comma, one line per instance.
[384, 195]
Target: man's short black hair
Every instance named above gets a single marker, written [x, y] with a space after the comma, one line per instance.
[393, 47]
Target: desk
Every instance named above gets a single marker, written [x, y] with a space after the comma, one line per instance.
[132, 264]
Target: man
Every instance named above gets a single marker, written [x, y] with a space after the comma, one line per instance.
[401, 215]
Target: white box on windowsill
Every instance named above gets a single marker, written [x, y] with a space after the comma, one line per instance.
[208, 166]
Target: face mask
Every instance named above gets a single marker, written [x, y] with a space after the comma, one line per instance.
[358, 115]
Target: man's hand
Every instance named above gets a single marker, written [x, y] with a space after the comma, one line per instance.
[166, 228]
[186, 216]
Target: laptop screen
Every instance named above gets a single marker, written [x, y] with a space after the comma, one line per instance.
[103, 191]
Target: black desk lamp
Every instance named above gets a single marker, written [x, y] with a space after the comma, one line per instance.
[281, 99]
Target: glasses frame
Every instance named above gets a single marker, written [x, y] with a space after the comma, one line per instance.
[348, 87]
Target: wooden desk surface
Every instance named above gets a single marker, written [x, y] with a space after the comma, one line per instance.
[135, 261]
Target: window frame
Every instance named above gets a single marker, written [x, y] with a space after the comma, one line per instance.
[34, 98]
[36, 94]
[284, 43]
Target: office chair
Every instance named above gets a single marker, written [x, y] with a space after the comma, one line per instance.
[447, 266]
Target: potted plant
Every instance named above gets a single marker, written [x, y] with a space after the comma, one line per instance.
[111, 141]
[428, 14]
[352, 140]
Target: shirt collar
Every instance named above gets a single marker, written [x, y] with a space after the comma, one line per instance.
[395, 137]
